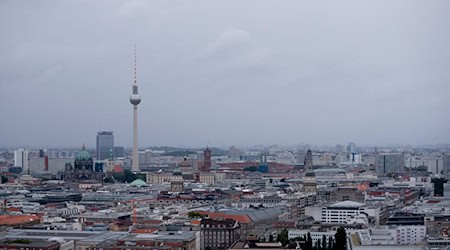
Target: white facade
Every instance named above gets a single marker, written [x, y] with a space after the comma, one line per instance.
[345, 212]
[408, 235]
[340, 212]
[292, 234]
[21, 159]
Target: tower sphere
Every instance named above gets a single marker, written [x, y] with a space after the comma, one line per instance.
[135, 99]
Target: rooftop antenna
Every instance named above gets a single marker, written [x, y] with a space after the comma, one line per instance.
[135, 63]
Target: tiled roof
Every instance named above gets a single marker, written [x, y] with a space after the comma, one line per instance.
[241, 218]
[18, 219]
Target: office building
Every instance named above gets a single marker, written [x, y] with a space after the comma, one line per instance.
[389, 163]
[105, 144]
[446, 163]
[218, 233]
[119, 151]
[21, 159]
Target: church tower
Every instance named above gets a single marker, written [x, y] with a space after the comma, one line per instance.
[207, 160]
[309, 180]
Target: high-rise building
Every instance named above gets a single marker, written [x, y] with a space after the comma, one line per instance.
[21, 159]
[119, 151]
[446, 163]
[207, 160]
[105, 143]
[389, 163]
[351, 148]
[135, 99]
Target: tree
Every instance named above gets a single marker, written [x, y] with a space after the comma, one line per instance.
[330, 243]
[250, 168]
[126, 176]
[194, 214]
[341, 239]
[438, 186]
[308, 242]
[317, 244]
[270, 238]
[283, 237]
[324, 243]
[108, 180]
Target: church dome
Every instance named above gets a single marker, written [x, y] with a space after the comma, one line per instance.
[83, 155]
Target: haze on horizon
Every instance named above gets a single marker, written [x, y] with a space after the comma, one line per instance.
[225, 73]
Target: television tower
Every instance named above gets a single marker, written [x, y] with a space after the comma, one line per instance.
[135, 99]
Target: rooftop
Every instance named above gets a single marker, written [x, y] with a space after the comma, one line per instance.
[349, 204]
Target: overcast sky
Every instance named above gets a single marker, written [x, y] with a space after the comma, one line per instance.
[225, 72]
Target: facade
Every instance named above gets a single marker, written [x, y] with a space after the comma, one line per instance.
[218, 233]
[30, 245]
[408, 234]
[207, 160]
[315, 236]
[83, 169]
[446, 163]
[119, 151]
[447, 190]
[174, 240]
[207, 178]
[52, 165]
[389, 163]
[177, 181]
[347, 194]
[340, 212]
[105, 144]
[21, 159]
[309, 181]
[347, 212]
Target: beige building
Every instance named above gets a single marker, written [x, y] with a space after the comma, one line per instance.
[208, 178]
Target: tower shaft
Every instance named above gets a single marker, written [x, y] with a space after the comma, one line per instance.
[135, 162]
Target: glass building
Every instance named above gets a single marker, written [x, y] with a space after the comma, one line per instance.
[105, 143]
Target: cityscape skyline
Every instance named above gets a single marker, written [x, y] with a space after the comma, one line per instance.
[230, 82]
[264, 125]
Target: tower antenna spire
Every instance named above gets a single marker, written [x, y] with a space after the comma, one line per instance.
[135, 99]
[135, 65]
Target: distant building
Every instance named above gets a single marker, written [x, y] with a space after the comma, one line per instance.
[83, 169]
[218, 233]
[309, 181]
[207, 160]
[177, 181]
[315, 236]
[348, 212]
[186, 240]
[407, 228]
[234, 152]
[389, 163]
[207, 178]
[119, 151]
[30, 245]
[105, 143]
[446, 189]
[347, 194]
[446, 163]
[21, 159]
[52, 165]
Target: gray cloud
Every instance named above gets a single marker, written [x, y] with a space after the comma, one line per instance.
[223, 73]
